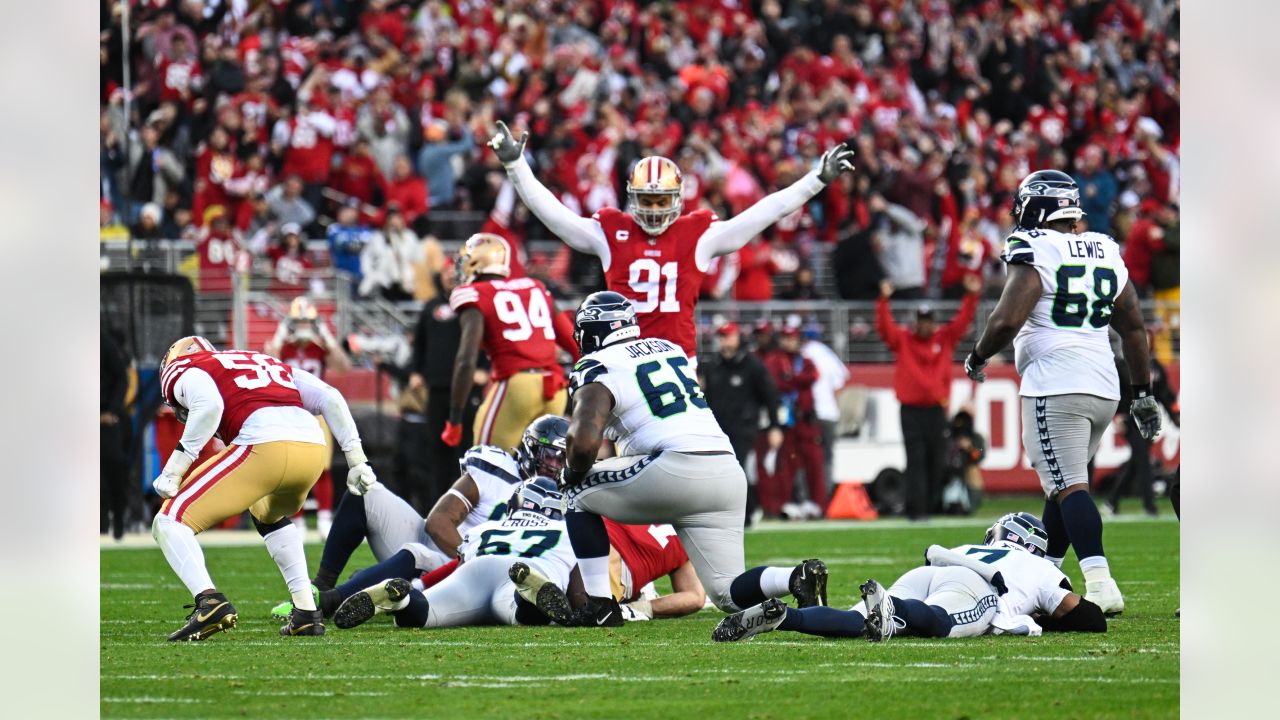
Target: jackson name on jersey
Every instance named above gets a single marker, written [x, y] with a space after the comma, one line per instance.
[1063, 347]
[658, 404]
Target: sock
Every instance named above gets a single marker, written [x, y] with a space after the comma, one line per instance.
[178, 542]
[400, 565]
[1058, 540]
[285, 547]
[1095, 569]
[824, 621]
[1057, 561]
[330, 600]
[415, 614]
[435, 577]
[745, 591]
[591, 544]
[923, 619]
[345, 535]
[776, 581]
[1084, 525]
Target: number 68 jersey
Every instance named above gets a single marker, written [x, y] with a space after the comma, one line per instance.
[1063, 347]
[657, 403]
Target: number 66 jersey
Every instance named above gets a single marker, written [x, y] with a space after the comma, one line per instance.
[1063, 347]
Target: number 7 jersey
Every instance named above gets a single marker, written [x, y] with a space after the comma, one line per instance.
[1063, 347]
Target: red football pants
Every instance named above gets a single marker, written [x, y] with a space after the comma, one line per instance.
[801, 450]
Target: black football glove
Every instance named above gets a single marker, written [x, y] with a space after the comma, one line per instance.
[997, 582]
[973, 367]
[837, 160]
[1146, 413]
[505, 146]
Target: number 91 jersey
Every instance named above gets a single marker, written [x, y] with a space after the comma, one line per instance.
[1063, 347]
[657, 403]
[518, 325]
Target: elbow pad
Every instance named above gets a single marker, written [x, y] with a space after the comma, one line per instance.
[1085, 617]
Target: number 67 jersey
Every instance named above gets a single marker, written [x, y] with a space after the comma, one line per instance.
[1063, 347]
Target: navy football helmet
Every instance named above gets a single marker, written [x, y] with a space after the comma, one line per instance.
[1045, 196]
[540, 495]
[541, 448]
[604, 318]
[1021, 529]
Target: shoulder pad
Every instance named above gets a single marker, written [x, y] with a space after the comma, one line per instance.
[586, 371]
[491, 461]
[462, 296]
[1018, 247]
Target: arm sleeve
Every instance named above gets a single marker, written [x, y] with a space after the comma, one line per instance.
[885, 326]
[729, 235]
[581, 234]
[943, 557]
[320, 397]
[196, 391]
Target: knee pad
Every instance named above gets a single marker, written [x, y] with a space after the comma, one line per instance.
[265, 529]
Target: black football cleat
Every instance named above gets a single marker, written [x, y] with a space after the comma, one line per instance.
[744, 625]
[533, 587]
[303, 623]
[358, 609]
[808, 584]
[212, 613]
[598, 612]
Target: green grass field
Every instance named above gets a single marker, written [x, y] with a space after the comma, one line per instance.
[643, 670]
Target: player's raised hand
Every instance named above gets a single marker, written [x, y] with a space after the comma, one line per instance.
[1146, 413]
[838, 159]
[505, 145]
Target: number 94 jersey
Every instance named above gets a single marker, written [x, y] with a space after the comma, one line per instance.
[657, 403]
[519, 333]
[526, 536]
[1063, 348]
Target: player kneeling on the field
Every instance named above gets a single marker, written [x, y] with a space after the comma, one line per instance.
[1003, 586]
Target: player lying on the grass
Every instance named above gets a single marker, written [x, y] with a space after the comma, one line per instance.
[404, 544]
[675, 466]
[512, 571]
[276, 450]
[1003, 586]
[639, 555]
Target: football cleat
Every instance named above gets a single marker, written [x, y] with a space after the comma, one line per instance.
[358, 609]
[744, 625]
[537, 589]
[808, 584]
[598, 612]
[880, 625]
[282, 611]
[1106, 595]
[303, 622]
[212, 613]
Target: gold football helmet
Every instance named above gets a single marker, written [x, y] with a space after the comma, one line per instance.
[483, 254]
[302, 320]
[656, 193]
[186, 346]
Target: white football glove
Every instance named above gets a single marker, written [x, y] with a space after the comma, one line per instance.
[360, 478]
[170, 478]
[1145, 411]
[637, 611]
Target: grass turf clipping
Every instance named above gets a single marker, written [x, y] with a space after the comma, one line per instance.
[643, 669]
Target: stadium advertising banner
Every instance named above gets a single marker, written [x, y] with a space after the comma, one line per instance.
[995, 408]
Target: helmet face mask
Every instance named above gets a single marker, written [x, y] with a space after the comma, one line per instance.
[604, 318]
[184, 346]
[1021, 530]
[655, 192]
[1046, 196]
[542, 447]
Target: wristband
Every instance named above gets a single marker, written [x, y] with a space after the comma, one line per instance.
[355, 456]
[974, 354]
[573, 477]
[1141, 391]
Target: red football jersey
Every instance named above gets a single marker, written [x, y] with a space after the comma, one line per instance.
[246, 381]
[309, 356]
[519, 333]
[658, 274]
[649, 551]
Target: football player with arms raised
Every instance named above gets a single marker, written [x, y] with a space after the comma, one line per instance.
[1003, 586]
[675, 465]
[303, 340]
[1065, 289]
[265, 411]
[516, 323]
[653, 255]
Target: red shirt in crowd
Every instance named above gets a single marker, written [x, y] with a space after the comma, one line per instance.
[793, 374]
[1146, 238]
[756, 269]
[922, 373]
[410, 193]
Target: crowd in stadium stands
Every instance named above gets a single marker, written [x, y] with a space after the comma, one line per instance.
[258, 123]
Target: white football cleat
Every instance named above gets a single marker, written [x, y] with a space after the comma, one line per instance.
[880, 624]
[1106, 595]
[744, 625]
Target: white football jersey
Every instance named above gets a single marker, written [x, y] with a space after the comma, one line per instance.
[1063, 346]
[657, 403]
[496, 475]
[526, 536]
[1035, 584]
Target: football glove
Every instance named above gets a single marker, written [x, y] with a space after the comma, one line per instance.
[997, 582]
[1146, 413]
[505, 146]
[837, 160]
[637, 611]
[973, 367]
[360, 478]
[170, 478]
[452, 435]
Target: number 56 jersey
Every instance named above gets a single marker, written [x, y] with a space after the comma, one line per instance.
[657, 403]
[527, 537]
[1063, 347]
